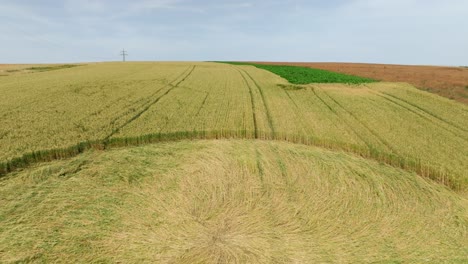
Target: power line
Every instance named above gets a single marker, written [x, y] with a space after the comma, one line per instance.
[123, 53]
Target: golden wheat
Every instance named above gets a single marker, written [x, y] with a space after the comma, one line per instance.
[227, 201]
[111, 103]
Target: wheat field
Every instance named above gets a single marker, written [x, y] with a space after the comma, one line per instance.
[203, 162]
[390, 122]
[228, 201]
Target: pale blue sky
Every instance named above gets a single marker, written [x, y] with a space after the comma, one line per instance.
[381, 31]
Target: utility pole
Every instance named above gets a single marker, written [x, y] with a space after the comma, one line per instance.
[123, 53]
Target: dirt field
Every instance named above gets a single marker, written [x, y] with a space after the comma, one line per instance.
[450, 82]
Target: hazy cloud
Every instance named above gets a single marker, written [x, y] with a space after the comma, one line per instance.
[397, 31]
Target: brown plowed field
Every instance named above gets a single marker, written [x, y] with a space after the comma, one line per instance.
[450, 82]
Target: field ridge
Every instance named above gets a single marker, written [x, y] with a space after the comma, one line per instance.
[390, 159]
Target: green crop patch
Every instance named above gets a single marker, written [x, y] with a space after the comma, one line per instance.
[305, 75]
